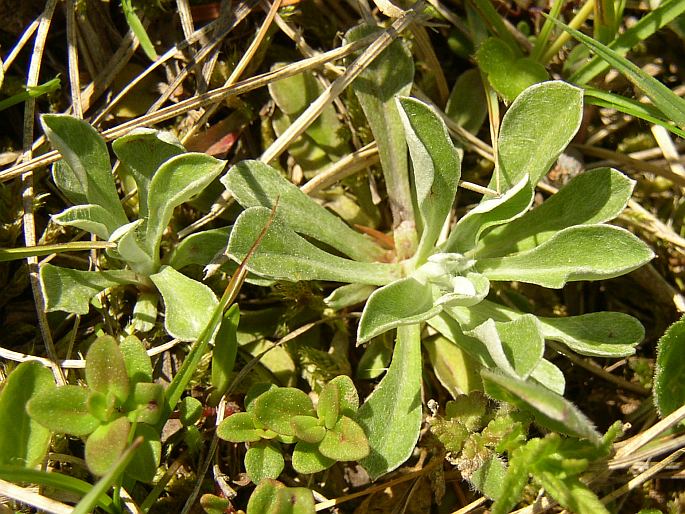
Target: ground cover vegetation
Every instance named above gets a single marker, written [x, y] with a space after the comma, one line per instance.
[299, 256]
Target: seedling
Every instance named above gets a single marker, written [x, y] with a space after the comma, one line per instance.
[119, 404]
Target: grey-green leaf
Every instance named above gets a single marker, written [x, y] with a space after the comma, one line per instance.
[586, 252]
[254, 183]
[391, 416]
[71, 290]
[85, 152]
[91, 218]
[467, 105]
[403, 302]
[489, 213]
[189, 304]
[454, 368]
[549, 408]
[23, 441]
[669, 394]
[143, 151]
[199, 248]
[595, 196]
[176, 181]
[537, 127]
[389, 75]
[436, 167]
[283, 254]
[224, 354]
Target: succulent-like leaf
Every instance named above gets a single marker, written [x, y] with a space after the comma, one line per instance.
[136, 360]
[669, 394]
[308, 429]
[23, 441]
[389, 307]
[146, 402]
[63, 410]
[224, 353]
[547, 114]
[199, 248]
[275, 408]
[142, 151]
[391, 415]
[189, 304]
[176, 181]
[263, 460]
[345, 441]
[272, 497]
[592, 197]
[436, 167]
[346, 398]
[254, 184]
[586, 252]
[238, 428]
[489, 213]
[71, 290]
[389, 75]
[283, 254]
[87, 157]
[106, 444]
[106, 369]
[550, 409]
[145, 462]
[91, 218]
[307, 458]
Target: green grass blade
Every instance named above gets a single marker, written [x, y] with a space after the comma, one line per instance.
[30, 92]
[137, 27]
[644, 28]
[54, 480]
[671, 105]
[10, 254]
[629, 106]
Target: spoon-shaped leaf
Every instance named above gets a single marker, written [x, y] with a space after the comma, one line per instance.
[91, 218]
[285, 255]
[589, 252]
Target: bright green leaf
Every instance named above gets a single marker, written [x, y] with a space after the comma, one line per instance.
[146, 459]
[307, 458]
[23, 441]
[345, 441]
[669, 394]
[106, 444]
[272, 497]
[263, 460]
[238, 428]
[199, 248]
[63, 410]
[224, 354]
[136, 360]
[106, 369]
[455, 369]
[275, 408]
[308, 429]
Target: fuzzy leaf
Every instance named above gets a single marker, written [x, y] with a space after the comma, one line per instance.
[263, 460]
[91, 218]
[345, 441]
[254, 184]
[549, 376]
[391, 415]
[106, 444]
[106, 369]
[199, 248]
[272, 497]
[436, 167]
[131, 249]
[389, 75]
[348, 295]
[275, 408]
[224, 354]
[536, 128]
[71, 290]
[346, 399]
[307, 458]
[238, 428]
[455, 369]
[669, 394]
[467, 105]
[136, 360]
[63, 410]
[176, 181]
[592, 197]
[67, 182]
[145, 311]
[87, 157]
[23, 441]
[489, 213]
[142, 151]
[146, 402]
[550, 409]
[308, 429]
[586, 252]
[189, 304]
[489, 477]
[388, 307]
[146, 459]
[284, 255]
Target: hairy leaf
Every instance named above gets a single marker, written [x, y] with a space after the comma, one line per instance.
[263, 460]
[308, 459]
[63, 410]
[275, 408]
[91, 218]
[669, 394]
[106, 370]
[106, 444]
